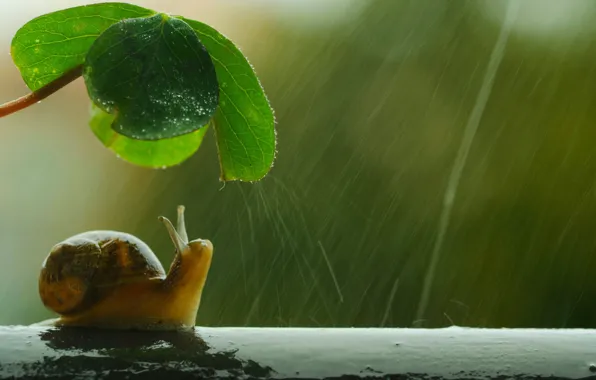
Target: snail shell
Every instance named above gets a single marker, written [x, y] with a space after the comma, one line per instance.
[85, 268]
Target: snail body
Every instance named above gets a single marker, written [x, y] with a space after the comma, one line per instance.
[112, 279]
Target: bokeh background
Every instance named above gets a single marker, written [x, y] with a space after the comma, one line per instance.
[372, 101]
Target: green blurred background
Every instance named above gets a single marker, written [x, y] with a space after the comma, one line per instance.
[372, 99]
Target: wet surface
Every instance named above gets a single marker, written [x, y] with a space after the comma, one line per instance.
[66, 353]
[95, 353]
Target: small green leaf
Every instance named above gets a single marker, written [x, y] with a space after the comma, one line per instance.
[50, 45]
[154, 74]
[154, 154]
[244, 122]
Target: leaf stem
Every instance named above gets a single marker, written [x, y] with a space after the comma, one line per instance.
[42, 93]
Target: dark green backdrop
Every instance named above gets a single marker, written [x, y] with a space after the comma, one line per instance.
[370, 116]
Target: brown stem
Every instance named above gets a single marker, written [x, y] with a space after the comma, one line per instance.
[38, 95]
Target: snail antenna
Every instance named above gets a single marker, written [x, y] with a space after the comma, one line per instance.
[179, 243]
[181, 225]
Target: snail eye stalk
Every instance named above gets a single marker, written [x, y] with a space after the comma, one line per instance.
[181, 225]
[178, 241]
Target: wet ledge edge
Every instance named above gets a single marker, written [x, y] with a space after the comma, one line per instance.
[307, 353]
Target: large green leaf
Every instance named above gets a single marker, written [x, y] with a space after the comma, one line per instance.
[244, 122]
[154, 75]
[50, 45]
[153, 154]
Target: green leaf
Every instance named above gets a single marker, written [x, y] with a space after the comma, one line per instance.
[154, 74]
[154, 154]
[50, 45]
[244, 122]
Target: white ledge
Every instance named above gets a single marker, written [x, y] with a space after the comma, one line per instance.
[313, 353]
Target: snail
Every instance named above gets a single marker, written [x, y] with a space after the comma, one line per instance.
[111, 279]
